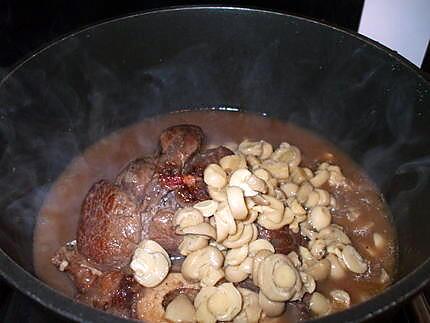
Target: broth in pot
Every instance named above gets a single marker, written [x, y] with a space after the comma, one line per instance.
[190, 209]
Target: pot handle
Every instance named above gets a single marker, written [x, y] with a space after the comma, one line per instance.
[421, 308]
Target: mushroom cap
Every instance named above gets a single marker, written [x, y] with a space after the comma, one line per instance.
[192, 243]
[225, 224]
[225, 303]
[270, 308]
[236, 256]
[260, 244]
[353, 260]
[207, 208]
[187, 216]
[277, 278]
[203, 229]
[251, 309]
[192, 266]
[215, 176]
[180, 309]
[236, 202]
[150, 263]
[245, 236]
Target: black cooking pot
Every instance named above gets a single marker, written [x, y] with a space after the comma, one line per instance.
[361, 96]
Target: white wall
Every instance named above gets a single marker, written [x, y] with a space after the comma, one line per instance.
[402, 25]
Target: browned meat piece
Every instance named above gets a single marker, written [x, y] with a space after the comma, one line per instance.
[134, 178]
[113, 291]
[178, 143]
[284, 240]
[81, 271]
[109, 228]
[197, 164]
[161, 230]
[194, 189]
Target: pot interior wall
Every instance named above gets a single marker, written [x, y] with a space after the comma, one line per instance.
[107, 77]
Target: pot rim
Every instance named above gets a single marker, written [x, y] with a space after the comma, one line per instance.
[31, 286]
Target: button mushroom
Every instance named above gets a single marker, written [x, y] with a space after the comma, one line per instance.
[236, 256]
[203, 229]
[207, 208]
[260, 244]
[353, 260]
[215, 176]
[226, 303]
[319, 304]
[248, 182]
[266, 150]
[251, 309]
[258, 259]
[192, 243]
[150, 263]
[278, 279]
[288, 154]
[269, 307]
[238, 273]
[203, 263]
[319, 269]
[320, 178]
[303, 193]
[320, 217]
[187, 216]
[231, 163]
[341, 297]
[180, 309]
[337, 269]
[290, 189]
[253, 148]
[236, 202]
[244, 235]
[225, 224]
[277, 169]
[220, 303]
[217, 194]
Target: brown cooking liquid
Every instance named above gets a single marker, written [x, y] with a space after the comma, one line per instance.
[58, 218]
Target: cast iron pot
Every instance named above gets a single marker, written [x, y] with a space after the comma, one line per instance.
[364, 98]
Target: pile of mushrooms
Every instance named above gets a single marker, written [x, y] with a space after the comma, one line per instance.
[257, 185]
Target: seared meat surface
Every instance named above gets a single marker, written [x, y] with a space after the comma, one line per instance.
[134, 178]
[110, 226]
[139, 204]
[114, 291]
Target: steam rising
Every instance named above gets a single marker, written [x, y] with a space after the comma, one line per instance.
[68, 98]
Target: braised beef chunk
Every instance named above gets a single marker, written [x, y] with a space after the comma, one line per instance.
[134, 178]
[110, 226]
[197, 164]
[192, 192]
[82, 272]
[193, 188]
[115, 292]
[162, 231]
[178, 143]
[283, 240]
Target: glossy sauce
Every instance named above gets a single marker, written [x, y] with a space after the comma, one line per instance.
[58, 218]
